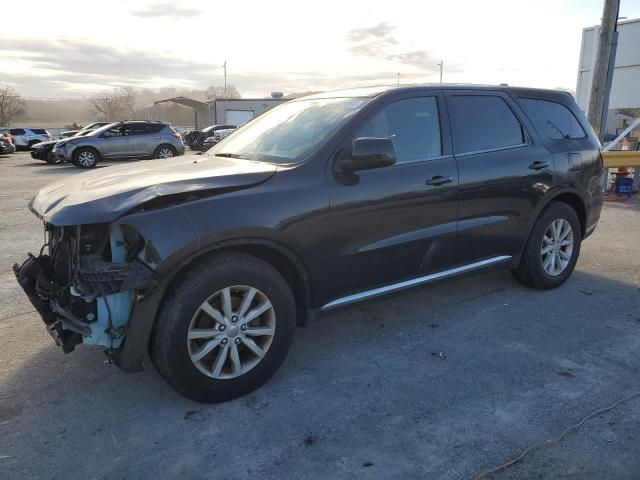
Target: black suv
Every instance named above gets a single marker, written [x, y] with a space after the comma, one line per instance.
[209, 262]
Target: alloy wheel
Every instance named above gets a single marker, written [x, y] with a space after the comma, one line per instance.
[86, 158]
[557, 247]
[165, 153]
[231, 332]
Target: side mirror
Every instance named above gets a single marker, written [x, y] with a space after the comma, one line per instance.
[370, 153]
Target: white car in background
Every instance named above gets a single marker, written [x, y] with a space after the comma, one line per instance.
[27, 137]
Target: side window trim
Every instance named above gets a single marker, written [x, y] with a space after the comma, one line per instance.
[527, 138]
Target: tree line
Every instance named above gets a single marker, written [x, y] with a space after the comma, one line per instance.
[110, 105]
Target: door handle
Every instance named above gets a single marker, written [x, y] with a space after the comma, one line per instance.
[438, 180]
[157, 138]
[538, 165]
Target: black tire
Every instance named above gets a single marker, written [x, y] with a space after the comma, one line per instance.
[531, 271]
[32, 143]
[158, 152]
[90, 162]
[169, 350]
[49, 158]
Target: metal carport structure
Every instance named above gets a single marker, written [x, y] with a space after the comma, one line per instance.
[200, 109]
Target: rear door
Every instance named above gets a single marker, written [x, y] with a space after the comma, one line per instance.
[504, 172]
[399, 222]
[116, 142]
[145, 138]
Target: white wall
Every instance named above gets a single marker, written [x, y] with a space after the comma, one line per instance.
[625, 89]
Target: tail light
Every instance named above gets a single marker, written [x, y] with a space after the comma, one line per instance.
[177, 135]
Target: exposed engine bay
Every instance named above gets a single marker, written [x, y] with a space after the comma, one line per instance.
[85, 280]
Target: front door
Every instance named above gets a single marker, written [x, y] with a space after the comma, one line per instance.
[504, 172]
[116, 142]
[398, 222]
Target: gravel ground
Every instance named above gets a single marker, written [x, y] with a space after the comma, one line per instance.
[439, 382]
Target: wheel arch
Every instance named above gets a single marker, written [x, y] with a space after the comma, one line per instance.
[75, 150]
[131, 355]
[569, 196]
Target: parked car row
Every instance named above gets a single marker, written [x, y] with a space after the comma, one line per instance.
[99, 141]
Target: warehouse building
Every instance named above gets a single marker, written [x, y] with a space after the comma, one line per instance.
[624, 103]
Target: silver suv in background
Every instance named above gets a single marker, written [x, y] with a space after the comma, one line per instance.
[27, 137]
[129, 139]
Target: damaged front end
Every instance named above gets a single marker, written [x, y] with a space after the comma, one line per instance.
[85, 280]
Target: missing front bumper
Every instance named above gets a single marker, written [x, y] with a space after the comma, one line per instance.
[33, 277]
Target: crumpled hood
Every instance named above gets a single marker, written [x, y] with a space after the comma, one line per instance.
[105, 194]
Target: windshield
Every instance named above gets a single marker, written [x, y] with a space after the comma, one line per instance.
[285, 134]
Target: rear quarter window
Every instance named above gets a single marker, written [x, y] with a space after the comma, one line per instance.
[39, 131]
[554, 119]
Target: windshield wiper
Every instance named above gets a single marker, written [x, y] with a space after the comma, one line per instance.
[227, 155]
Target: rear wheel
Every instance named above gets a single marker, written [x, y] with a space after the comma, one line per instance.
[552, 249]
[85, 157]
[165, 151]
[224, 328]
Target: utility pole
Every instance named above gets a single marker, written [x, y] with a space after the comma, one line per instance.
[603, 68]
[225, 78]
[441, 65]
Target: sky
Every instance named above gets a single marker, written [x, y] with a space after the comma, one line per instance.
[72, 49]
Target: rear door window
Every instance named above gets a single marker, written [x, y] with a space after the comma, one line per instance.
[39, 131]
[483, 122]
[155, 127]
[413, 125]
[140, 129]
[554, 119]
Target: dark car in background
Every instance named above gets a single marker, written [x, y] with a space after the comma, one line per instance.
[195, 139]
[208, 263]
[218, 136]
[44, 150]
[129, 139]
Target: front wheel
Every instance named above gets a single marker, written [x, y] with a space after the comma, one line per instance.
[51, 159]
[85, 158]
[552, 249]
[224, 328]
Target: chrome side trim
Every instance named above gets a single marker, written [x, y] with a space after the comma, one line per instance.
[356, 297]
